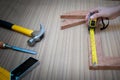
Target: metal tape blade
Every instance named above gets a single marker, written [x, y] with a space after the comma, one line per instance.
[93, 47]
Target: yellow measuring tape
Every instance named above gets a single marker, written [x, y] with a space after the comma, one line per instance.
[4, 74]
[93, 47]
[91, 26]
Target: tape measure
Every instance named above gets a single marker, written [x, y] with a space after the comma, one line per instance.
[4, 74]
[93, 47]
[91, 27]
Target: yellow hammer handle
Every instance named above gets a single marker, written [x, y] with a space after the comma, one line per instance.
[21, 29]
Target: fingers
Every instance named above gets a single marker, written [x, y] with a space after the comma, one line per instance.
[96, 15]
[92, 11]
[86, 18]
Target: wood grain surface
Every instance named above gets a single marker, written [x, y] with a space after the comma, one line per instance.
[63, 54]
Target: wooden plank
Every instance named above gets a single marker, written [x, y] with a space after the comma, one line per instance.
[74, 15]
[104, 63]
[73, 18]
[67, 23]
[107, 63]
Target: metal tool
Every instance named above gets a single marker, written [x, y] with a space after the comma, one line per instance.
[91, 28]
[36, 35]
[5, 45]
[22, 69]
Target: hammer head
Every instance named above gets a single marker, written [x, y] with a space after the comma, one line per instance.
[36, 36]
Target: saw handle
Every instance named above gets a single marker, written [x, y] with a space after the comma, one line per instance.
[17, 28]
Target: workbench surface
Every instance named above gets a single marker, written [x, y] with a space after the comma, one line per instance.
[63, 54]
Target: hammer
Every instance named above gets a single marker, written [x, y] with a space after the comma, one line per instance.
[36, 36]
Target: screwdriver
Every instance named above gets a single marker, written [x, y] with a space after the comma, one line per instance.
[5, 45]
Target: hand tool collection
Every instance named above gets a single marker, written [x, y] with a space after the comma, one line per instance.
[5, 45]
[36, 36]
[30, 63]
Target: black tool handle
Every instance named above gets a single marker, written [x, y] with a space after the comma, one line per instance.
[6, 24]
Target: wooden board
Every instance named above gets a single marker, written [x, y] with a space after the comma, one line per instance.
[73, 18]
[104, 63]
[67, 23]
[74, 15]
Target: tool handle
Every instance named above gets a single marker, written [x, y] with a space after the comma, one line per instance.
[5, 24]
[17, 28]
[1, 45]
[23, 30]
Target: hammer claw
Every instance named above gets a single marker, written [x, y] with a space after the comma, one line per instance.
[36, 36]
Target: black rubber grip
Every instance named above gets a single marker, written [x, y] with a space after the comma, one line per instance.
[5, 24]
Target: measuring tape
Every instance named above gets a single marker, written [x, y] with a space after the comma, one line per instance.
[93, 47]
[91, 27]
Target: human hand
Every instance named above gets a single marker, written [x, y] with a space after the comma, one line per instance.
[105, 12]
